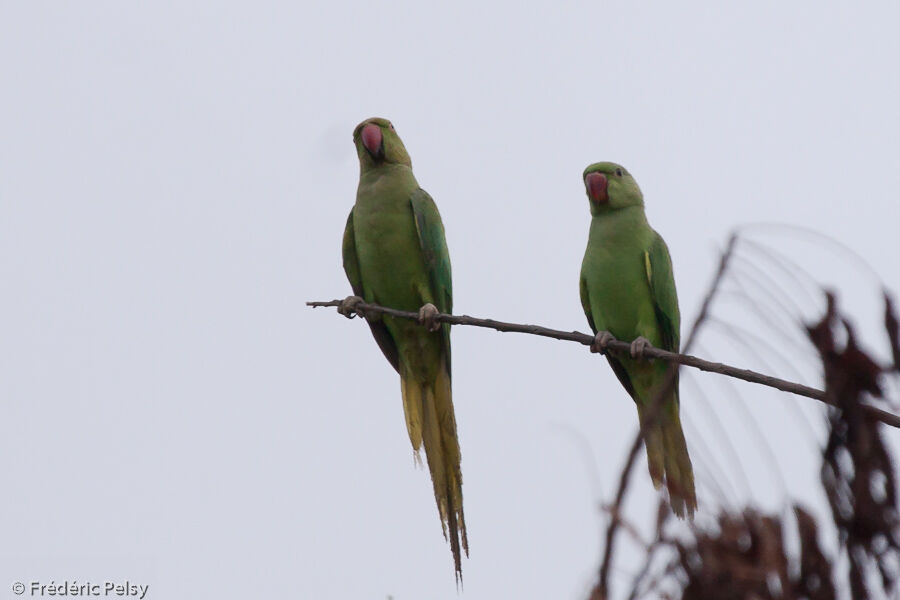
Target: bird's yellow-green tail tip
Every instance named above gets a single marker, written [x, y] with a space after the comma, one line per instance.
[669, 462]
[430, 422]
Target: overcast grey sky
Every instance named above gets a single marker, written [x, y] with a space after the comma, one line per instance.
[174, 183]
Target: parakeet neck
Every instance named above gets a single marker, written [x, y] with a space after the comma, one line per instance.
[630, 211]
[371, 172]
[618, 222]
[387, 183]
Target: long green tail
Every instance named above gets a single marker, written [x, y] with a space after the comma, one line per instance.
[669, 461]
[430, 421]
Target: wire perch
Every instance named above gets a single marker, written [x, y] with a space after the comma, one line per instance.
[621, 346]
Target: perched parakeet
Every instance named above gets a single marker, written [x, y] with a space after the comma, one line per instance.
[395, 255]
[628, 293]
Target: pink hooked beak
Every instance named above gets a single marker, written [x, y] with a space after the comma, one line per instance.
[373, 140]
[596, 185]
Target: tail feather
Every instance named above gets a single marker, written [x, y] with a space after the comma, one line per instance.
[430, 420]
[653, 441]
[412, 411]
[667, 454]
[680, 476]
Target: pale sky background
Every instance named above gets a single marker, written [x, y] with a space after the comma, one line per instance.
[174, 182]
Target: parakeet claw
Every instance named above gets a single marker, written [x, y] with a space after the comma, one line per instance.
[350, 307]
[426, 317]
[601, 342]
[638, 346]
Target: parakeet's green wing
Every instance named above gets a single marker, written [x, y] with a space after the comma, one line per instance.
[586, 303]
[658, 265]
[351, 260]
[437, 257]
[351, 268]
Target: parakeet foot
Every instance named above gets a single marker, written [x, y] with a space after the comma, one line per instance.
[601, 342]
[638, 346]
[350, 307]
[426, 317]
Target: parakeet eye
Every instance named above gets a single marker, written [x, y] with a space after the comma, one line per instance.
[619, 172]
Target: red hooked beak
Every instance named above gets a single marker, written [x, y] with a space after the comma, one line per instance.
[373, 140]
[596, 185]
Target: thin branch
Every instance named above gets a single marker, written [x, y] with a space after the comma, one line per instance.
[619, 346]
[601, 590]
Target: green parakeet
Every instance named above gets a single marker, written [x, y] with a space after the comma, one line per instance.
[395, 255]
[628, 293]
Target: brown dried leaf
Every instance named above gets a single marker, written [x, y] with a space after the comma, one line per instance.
[815, 581]
[863, 494]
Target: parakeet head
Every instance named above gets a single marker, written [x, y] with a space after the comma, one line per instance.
[609, 186]
[377, 143]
